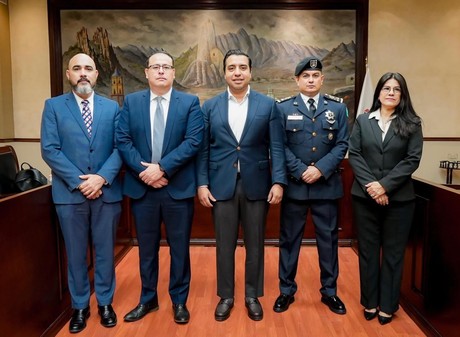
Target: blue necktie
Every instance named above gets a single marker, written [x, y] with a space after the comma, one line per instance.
[86, 114]
[158, 131]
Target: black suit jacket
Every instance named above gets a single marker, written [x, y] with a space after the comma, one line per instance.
[390, 162]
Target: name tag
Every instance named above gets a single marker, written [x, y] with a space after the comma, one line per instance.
[295, 117]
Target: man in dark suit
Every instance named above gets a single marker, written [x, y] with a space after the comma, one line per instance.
[158, 136]
[235, 178]
[317, 140]
[78, 144]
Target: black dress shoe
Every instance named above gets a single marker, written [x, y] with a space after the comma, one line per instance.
[141, 310]
[181, 314]
[108, 315]
[223, 309]
[370, 315]
[385, 320]
[335, 304]
[255, 311]
[282, 302]
[78, 320]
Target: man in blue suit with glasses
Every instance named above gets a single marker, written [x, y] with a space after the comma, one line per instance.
[158, 136]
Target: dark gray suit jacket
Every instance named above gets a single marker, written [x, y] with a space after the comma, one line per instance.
[390, 162]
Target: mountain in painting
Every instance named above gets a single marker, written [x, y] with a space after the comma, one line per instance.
[200, 65]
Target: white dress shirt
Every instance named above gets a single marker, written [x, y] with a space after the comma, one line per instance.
[237, 114]
[384, 126]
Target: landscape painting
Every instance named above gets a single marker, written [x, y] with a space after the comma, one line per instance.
[121, 41]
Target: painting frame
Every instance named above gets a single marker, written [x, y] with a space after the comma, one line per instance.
[360, 8]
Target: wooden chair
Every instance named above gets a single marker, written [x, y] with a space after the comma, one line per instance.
[9, 166]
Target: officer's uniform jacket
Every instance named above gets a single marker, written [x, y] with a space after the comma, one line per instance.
[320, 140]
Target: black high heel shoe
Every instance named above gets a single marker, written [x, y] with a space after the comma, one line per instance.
[369, 315]
[385, 320]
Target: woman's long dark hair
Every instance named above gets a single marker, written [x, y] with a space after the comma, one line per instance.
[406, 121]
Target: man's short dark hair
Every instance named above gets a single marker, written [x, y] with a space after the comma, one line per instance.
[158, 51]
[236, 52]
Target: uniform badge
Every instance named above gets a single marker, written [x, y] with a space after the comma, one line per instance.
[330, 136]
[330, 117]
[295, 117]
[313, 64]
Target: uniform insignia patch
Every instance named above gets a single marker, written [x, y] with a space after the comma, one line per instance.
[330, 136]
[333, 98]
[281, 100]
[330, 116]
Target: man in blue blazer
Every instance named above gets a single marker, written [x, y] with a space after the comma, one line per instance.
[241, 169]
[158, 136]
[78, 144]
[317, 140]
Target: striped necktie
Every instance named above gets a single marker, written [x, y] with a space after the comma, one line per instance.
[86, 114]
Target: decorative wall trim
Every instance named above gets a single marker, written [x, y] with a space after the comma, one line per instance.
[37, 140]
[441, 139]
[20, 140]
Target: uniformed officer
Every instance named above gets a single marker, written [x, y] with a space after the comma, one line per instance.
[317, 140]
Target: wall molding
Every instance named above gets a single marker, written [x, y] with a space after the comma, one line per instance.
[37, 140]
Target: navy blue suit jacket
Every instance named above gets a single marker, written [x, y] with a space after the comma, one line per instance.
[182, 139]
[70, 152]
[320, 140]
[262, 137]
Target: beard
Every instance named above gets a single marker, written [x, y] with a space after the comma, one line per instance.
[83, 89]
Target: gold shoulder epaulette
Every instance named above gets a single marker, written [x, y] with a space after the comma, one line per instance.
[333, 98]
[281, 100]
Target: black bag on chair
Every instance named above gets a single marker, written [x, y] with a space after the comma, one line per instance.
[28, 178]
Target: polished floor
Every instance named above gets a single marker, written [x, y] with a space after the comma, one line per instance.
[307, 316]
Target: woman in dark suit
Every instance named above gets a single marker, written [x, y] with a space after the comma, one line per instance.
[385, 149]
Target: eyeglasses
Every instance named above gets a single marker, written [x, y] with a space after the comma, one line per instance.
[396, 90]
[157, 67]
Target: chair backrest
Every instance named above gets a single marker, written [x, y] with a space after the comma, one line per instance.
[9, 166]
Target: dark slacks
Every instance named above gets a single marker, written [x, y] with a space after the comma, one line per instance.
[227, 216]
[293, 219]
[383, 232]
[78, 222]
[150, 211]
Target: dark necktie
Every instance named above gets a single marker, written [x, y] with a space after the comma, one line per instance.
[158, 131]
[311, 107]
[86, 114]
